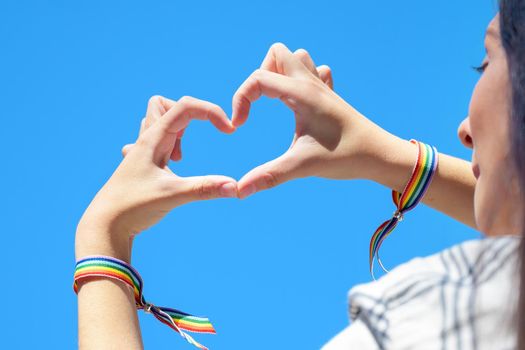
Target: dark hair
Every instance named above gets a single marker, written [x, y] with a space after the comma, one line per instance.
[512, 29]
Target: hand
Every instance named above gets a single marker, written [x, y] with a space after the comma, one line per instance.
[331, 138]
[143, 189]
[162, 104]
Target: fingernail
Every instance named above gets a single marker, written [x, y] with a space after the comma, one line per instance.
[248, 191]
[229, 190]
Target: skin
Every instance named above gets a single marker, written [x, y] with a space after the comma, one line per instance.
[139, 193]
[497, 203]
[331, 140]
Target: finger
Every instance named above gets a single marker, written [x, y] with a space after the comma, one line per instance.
[194, 108]
[325, 74]
[303, 56]
[176, 155]
[154, 111]
[322, 72]
[196, 188]
[157, 107]
[142, 126]
[280, 59]
[270, 84]
[129, 146]
[161, 137]
[126, 149]
[268, 175]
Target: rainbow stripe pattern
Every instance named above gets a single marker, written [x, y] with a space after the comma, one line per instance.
[422, 174]
[104, 266]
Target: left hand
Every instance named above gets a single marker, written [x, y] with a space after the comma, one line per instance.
[331, 140]
[143, 189]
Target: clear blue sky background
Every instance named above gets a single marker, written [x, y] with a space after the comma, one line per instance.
[272, 272]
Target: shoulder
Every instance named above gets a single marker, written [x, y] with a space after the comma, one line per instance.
[464, 288]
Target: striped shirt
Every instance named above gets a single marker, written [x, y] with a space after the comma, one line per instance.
[464, 297]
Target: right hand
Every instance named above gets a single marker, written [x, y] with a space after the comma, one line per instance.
[143, 189]
[331, 140]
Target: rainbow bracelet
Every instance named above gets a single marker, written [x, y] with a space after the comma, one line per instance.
[424, 170]
[104, 266]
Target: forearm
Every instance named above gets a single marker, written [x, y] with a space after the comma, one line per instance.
[107, 315]
[451, 191]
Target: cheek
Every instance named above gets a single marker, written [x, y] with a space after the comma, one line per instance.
[489, 124]
[489, 106]
[481, 111]
[475, 101]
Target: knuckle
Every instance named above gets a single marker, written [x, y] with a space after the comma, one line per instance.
[127, 148]
[256, 73]
[185, 101]
[213, 108]
[326, 69]
[249, 84]
[204, 190]
[302, 53]
[256, 77]
[277, 45]
[252, 80]
[271, 180]
[154, 99]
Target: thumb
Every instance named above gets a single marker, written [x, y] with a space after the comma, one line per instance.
[197, 188]
[269, 175]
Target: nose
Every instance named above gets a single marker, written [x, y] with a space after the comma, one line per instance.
[464, 133]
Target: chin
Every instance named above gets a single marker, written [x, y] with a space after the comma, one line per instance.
[485, 212]
[500, 212]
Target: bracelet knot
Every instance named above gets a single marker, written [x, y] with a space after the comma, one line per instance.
[109, 267]
[147, 308]
[420, 179]
[398, 215]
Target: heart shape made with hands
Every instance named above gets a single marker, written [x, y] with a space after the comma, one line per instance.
[298, 83]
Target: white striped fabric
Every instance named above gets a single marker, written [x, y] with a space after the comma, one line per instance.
[461, 298]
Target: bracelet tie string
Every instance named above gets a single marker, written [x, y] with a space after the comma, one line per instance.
[109, 267]
[422, 174]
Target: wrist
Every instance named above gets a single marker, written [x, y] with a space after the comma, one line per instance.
[391, 162]
[372, 153]
[99, 239]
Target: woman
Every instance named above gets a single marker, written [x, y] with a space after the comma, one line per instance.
[332, 140]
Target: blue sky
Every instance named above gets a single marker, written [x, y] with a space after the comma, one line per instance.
[272, 272]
